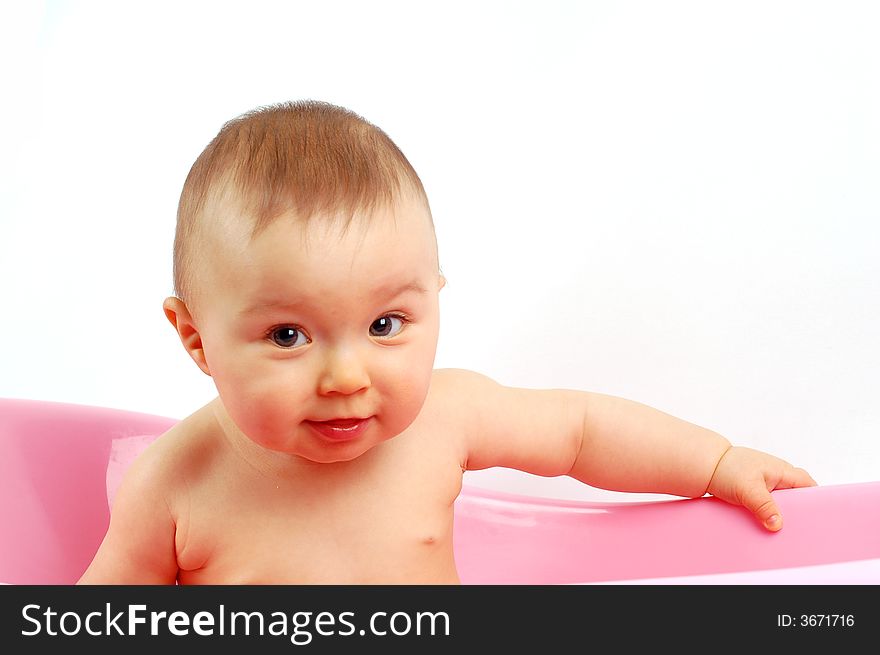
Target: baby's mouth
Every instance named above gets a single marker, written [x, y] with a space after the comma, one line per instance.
[342, 423]
[340, 429]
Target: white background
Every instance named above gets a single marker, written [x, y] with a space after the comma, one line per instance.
[674, 202]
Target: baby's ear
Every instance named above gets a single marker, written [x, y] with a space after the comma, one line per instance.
[178, 315]
[442, 282]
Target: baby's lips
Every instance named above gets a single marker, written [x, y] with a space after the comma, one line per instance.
[341, 422]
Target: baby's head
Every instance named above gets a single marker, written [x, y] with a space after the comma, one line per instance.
[306, 276]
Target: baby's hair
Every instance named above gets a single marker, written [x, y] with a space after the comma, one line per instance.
[306, 157]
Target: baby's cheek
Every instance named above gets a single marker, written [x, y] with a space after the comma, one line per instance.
[404, 402]
[260, 409]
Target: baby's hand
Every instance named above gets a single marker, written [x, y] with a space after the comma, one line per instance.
[746, 477]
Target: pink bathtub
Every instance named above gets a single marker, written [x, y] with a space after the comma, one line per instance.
[55, 458]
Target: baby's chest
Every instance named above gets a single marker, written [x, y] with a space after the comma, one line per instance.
[384, 532]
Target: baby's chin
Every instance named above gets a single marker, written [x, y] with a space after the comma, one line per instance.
[311, 446]
[324, 452]
[338, 455]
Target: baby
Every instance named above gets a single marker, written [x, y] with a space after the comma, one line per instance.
[307, 279]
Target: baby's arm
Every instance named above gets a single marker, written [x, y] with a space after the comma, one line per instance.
[655, 452]
[139, 545]
[614, 444]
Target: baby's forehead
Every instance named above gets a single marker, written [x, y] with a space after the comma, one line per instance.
[233, 233]
[321, 258]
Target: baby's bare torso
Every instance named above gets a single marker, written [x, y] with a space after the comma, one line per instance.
[384, 518]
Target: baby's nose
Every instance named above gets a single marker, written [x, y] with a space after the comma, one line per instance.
[344, 373]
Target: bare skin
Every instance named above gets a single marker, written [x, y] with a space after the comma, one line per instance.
[205, 508]
[385, 517]
[334, 451]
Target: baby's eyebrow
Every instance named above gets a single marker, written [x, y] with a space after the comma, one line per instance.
[385, 292]
[267, 305]
[392, 290]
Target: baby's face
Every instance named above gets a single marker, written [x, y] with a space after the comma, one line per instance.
[321, 343]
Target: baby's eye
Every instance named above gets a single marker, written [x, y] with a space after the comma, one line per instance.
[289, 337]
[387, 326]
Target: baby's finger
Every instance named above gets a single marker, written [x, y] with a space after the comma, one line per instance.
[760, 503]
[800, 478]
[795, 477]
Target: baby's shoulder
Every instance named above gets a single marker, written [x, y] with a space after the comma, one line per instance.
[475, 399]
[458, 391]
[172, 459]
[458, 382]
